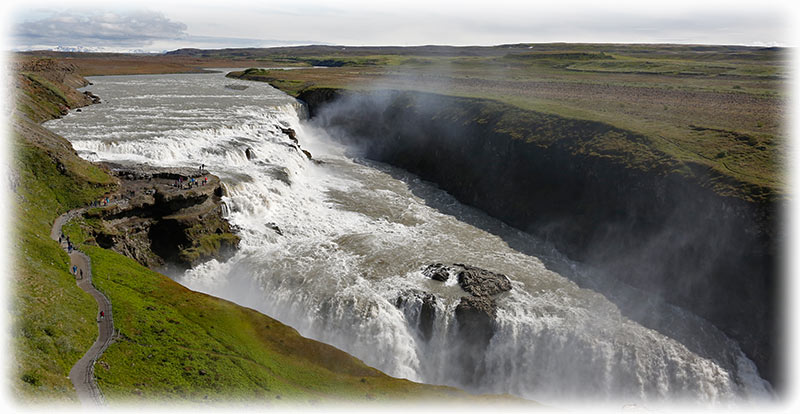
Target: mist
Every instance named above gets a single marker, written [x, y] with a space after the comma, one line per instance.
[647, 242]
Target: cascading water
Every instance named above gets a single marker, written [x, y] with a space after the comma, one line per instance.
[328, 247]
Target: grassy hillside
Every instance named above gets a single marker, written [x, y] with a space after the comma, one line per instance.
[52, 320]
[175, 344]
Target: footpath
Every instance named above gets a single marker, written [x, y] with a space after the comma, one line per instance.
[82, 373]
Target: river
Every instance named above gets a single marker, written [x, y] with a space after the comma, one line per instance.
[355, 235]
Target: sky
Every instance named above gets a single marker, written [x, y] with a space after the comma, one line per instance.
[156, 26]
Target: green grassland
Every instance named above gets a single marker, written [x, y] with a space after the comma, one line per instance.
[720, 108]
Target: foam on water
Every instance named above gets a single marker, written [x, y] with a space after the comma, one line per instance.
[355, 235]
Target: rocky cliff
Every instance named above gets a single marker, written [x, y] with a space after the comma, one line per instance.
[151, 220]
[164, 216]
[646, 220]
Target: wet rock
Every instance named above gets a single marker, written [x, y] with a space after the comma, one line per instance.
[290, 133]
[249, 153]
[274, 227]
[437, 271]
[94, 98]
[78, 110]
[419, 307]
[237, 87]
[482, 282]
[476, 312]
[308, 154]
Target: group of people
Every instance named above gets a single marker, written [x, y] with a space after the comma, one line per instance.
[190, 182]
[62, 238]
[77, 272]
[103, 201]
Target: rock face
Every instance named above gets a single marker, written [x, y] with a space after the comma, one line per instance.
[656, 225]
[161, 217]
[423, 311]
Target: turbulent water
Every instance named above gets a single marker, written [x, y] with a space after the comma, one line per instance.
[355, 236]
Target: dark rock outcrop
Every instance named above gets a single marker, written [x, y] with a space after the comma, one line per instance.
[437, 271]
[290, 133]
[94, 98]
[481, 282]
[274, 227]
[475, 314]
[161, 217]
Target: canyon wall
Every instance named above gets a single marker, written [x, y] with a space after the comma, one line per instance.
[601, 195]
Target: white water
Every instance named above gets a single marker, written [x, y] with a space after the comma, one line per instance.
[355, 236]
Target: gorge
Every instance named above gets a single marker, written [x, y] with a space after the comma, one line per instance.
[337, 244]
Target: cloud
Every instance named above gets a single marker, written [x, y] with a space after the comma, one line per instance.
[128, 29]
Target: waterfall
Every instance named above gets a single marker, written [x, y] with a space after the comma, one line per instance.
[354, 237]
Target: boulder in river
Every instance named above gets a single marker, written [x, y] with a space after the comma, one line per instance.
[482, 282]
[274, 227]
[437, 271]
[94, 98]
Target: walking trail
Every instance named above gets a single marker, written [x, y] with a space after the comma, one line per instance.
[82, 373]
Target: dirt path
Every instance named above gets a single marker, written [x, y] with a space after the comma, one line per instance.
[82, 373]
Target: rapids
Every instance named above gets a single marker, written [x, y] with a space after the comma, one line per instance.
[355, 236]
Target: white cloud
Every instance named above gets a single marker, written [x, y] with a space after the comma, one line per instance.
[245, 23]
[98, 29]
